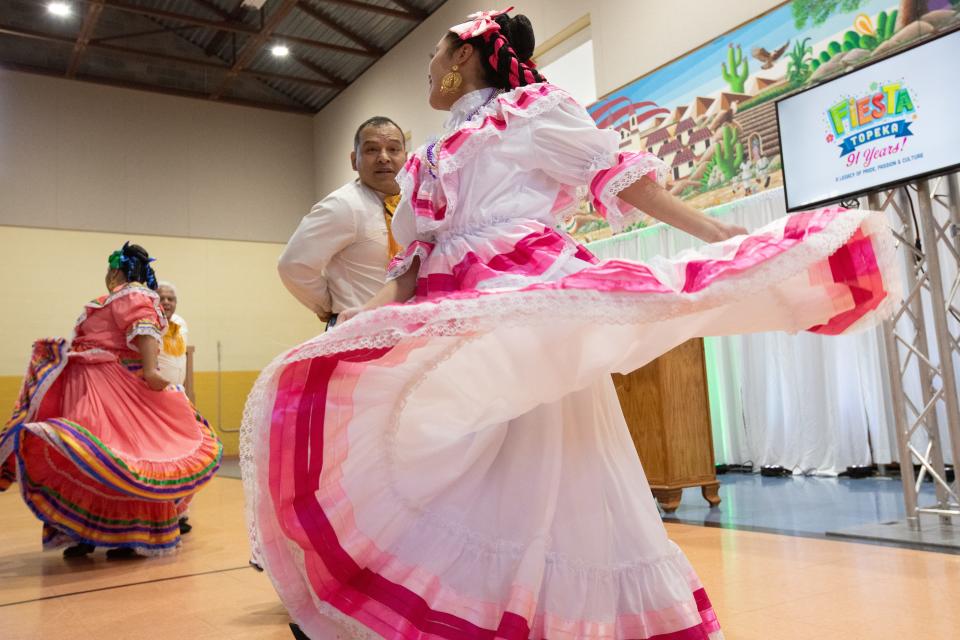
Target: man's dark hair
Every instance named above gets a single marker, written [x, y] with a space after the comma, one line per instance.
[377, 121]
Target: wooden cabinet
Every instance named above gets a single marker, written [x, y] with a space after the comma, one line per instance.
[667, 410]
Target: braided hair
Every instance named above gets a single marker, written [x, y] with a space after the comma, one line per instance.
[505, 53]
[134, 262]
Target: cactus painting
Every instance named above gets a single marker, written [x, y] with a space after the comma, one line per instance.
[729, 152]
[736, 75]
[726, 161]
[851, 41]
[870, 39]
[886, 26]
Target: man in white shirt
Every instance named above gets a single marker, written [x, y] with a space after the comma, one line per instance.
[338, 256]
[172, 359]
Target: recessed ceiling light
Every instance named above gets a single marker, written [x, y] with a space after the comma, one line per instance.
[279, 50]
[59, 9]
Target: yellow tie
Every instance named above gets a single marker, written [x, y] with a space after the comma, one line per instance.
[389, 206]
[173, 343]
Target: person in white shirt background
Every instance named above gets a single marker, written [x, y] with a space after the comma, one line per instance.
[172, 359]
[338, 256]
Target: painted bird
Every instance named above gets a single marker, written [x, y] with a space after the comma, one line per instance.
[768, 59]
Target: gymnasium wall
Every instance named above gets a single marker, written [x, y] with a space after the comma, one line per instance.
[213, 191]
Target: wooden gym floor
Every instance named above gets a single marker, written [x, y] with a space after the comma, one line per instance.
[763, 586]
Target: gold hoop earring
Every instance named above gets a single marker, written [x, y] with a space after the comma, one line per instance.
[450, 83]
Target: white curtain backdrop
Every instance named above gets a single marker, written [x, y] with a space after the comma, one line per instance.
[810, 403]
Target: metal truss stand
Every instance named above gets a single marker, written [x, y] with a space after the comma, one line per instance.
[922, 342]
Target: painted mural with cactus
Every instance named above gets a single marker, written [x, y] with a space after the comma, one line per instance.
[736, 69]
[864, 37]
[710, 115]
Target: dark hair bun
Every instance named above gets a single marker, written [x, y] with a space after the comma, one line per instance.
[136, 251]
[519, 31]
[504, 67]
[138, 267]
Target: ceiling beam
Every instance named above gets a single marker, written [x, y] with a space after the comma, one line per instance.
[316, 44]
[222, 25]
[216, 43]
[165, 57]
[226, 25]
[140, 86]
[140, 34]
[214, 47]
[239, 11]
[213, 7]
[266, 75]
[84, 35]
[34, 35]
[254, 45]
[323, 18]
[412, 8]
[375, 8]
[317, 69]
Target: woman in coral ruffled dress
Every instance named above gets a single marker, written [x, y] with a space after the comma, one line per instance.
[451, 462]
[106, 452]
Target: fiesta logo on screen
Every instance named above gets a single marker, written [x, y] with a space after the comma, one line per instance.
[880, 114]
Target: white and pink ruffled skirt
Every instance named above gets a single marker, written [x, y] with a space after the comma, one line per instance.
[460, 469]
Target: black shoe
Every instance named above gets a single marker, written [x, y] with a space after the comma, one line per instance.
[121, 553]
[297, 633]
[78, 550]
[185, 527]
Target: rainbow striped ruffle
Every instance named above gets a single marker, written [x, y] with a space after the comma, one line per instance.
[86, 491]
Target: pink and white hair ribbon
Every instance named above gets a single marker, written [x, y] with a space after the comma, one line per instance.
[481, 23]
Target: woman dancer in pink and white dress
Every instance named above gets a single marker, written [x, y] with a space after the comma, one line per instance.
[452, 461]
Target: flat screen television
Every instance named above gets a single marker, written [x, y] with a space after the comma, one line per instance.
[886, 123]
